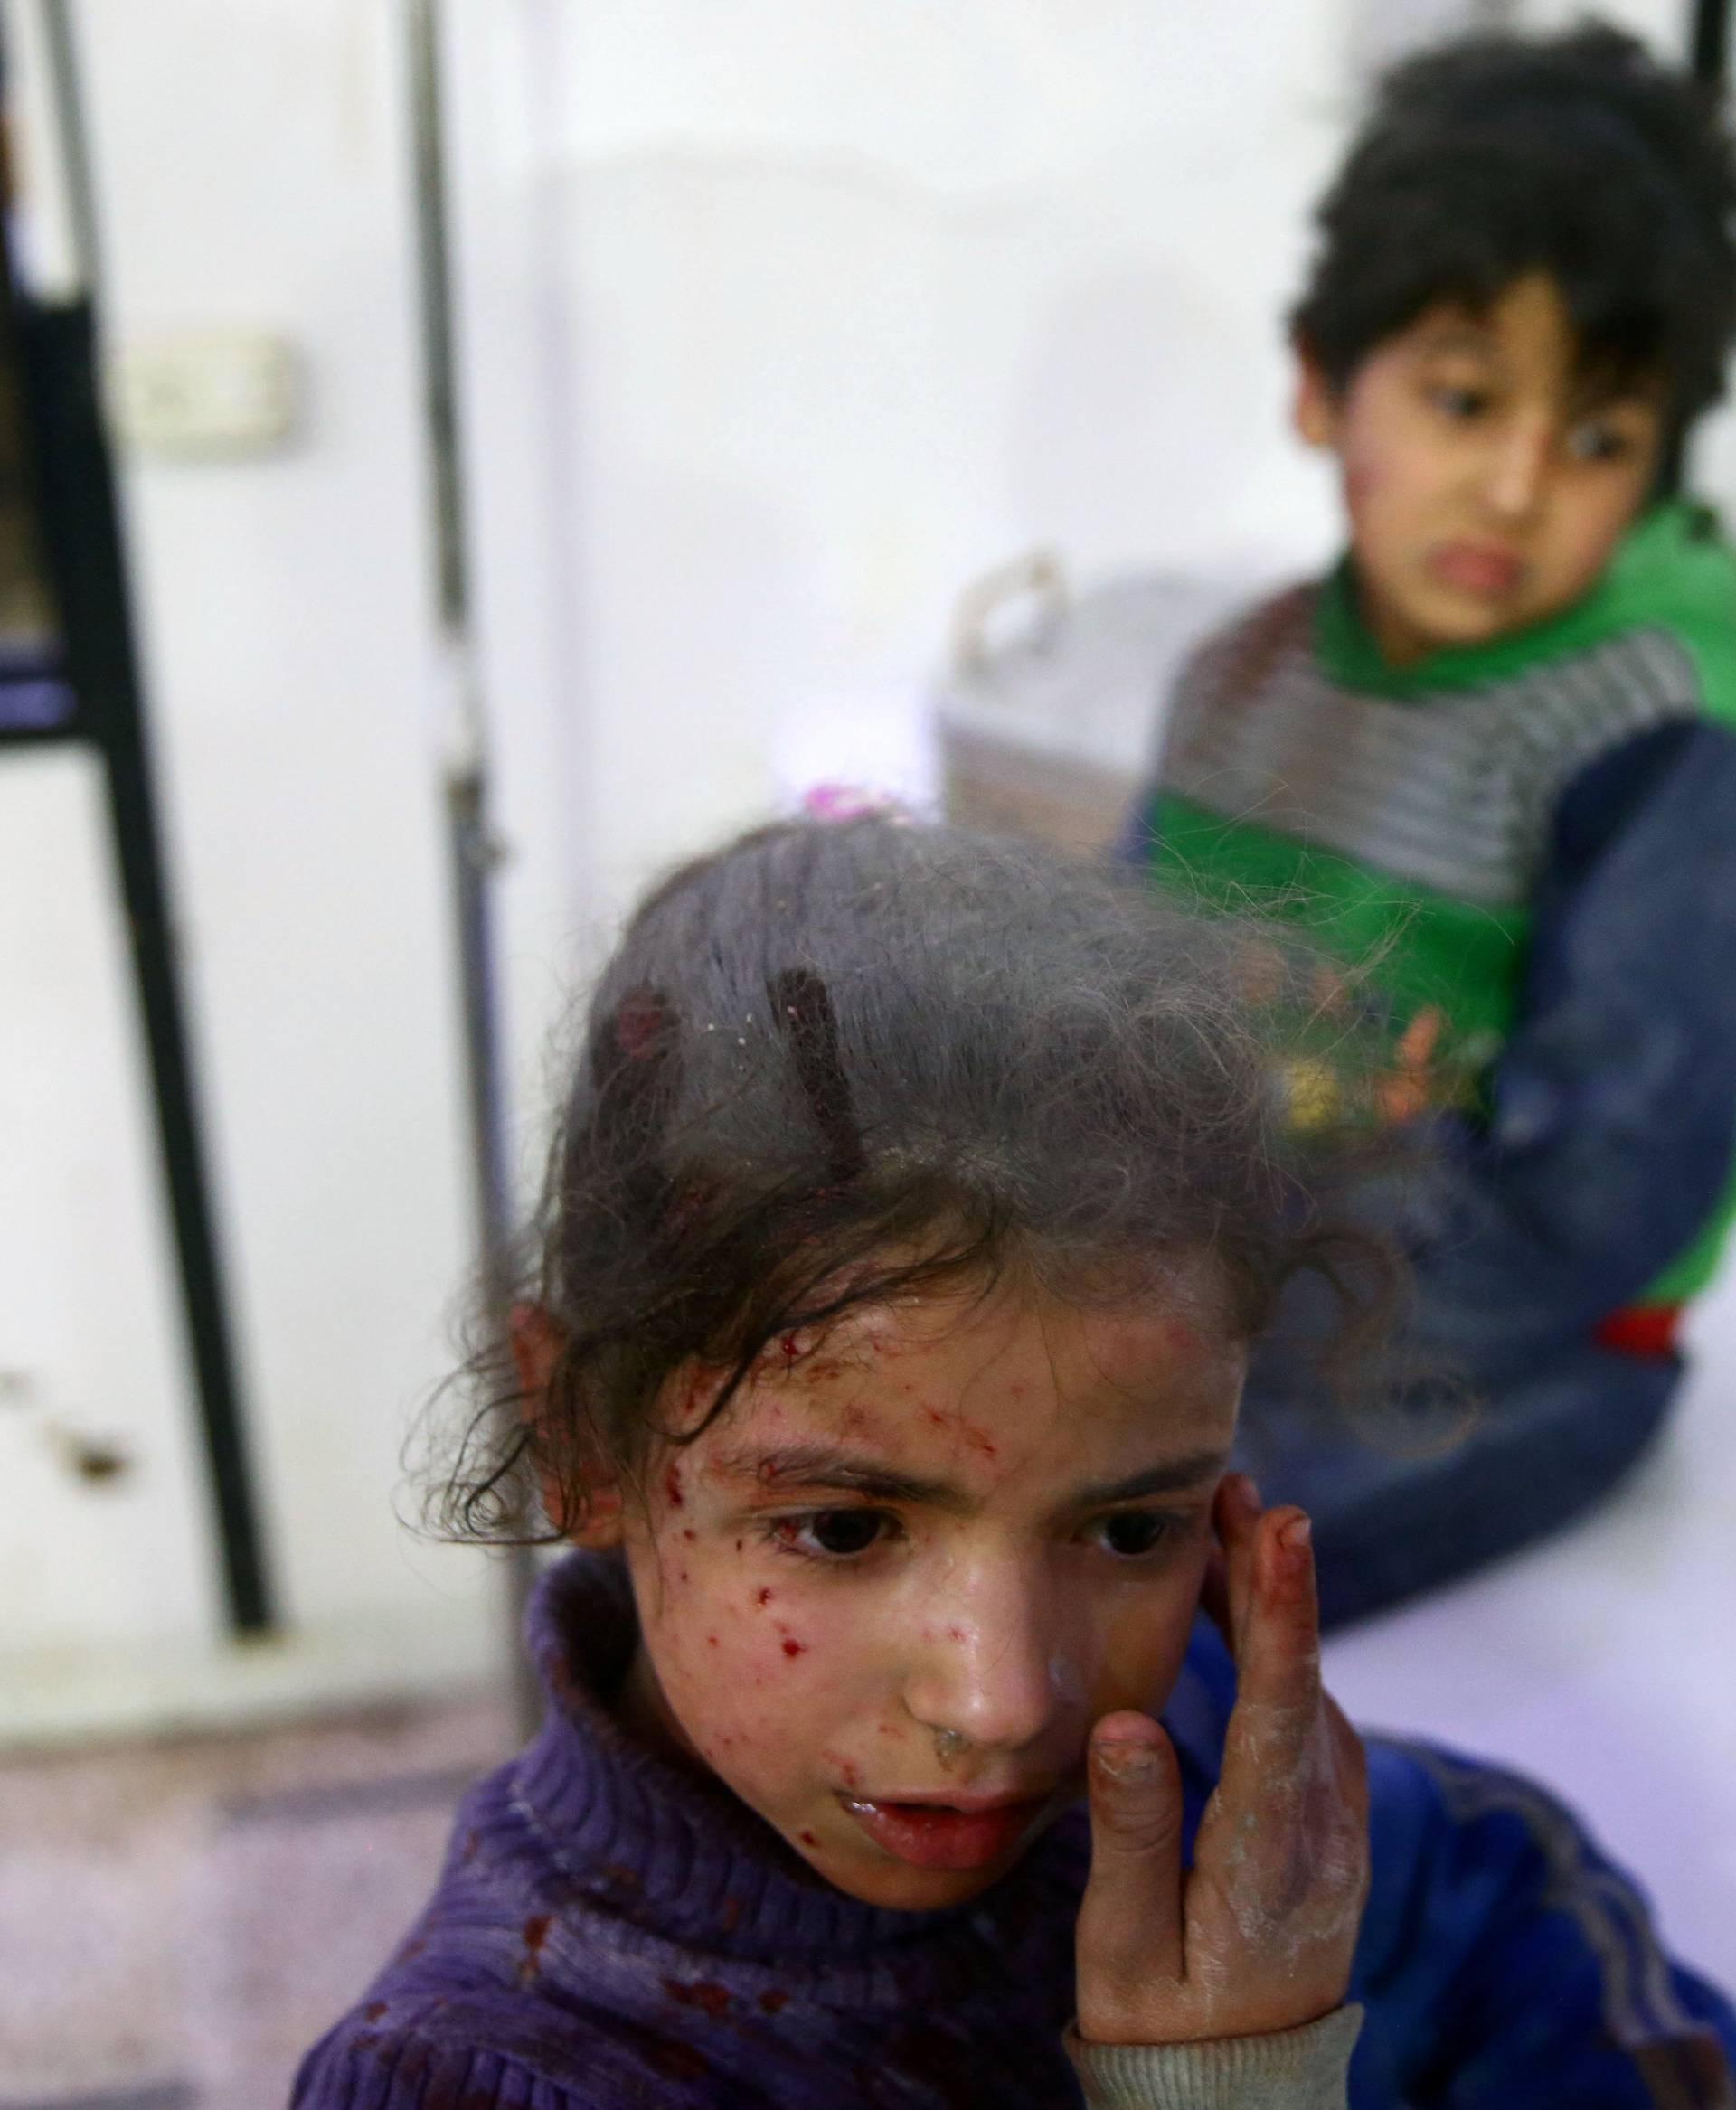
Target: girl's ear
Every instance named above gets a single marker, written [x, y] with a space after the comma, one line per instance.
[1313, 408]
[536, 1342]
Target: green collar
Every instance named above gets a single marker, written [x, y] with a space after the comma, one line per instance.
[1673, 562]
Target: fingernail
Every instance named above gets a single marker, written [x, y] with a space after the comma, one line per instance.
[1129, 1761]
[1296, 1535]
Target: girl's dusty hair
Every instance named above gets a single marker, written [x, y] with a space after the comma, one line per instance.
[833, 1064]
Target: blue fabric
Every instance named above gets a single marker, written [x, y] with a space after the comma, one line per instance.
[1607, 1147]
[1414, 1493]
[1504, 1962]
[1613, 1114]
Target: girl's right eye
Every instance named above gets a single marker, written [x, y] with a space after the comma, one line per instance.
[831, 1534]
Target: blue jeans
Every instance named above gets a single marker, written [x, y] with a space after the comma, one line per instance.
[1418, 1493]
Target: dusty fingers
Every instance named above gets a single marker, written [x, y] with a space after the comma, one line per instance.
[1129, 1938]
[1281, 1873]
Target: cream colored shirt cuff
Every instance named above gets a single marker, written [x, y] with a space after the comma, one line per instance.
[1291, 2069]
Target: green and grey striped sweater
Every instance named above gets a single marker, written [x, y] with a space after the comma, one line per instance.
[1404, 815]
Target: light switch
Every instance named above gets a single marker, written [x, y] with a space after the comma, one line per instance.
[205, 394]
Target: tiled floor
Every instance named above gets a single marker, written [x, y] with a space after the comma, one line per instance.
[177, 1921]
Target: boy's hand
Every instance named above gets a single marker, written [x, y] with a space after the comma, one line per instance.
[1410, 1087]
[1259, 1934]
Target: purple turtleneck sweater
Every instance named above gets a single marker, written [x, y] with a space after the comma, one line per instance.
[610, 1929]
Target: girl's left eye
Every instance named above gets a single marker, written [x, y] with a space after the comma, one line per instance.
[1131, 1533]
[831, 1534]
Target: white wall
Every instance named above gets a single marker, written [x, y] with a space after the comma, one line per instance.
[845, 305]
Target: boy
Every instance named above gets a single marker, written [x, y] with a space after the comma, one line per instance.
[1493, 754]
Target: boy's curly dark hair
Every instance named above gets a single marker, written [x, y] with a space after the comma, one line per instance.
[832, 1064]
[1578, 156]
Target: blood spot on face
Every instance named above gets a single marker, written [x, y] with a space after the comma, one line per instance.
[955, 1633]
[794, 1648]
[671, 1488]
[808, 1839]
[691, 1535]
[762, 1597]
[979, 1440]
[710, 1641]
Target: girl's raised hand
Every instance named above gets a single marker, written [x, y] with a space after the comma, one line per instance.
[1259, 1934]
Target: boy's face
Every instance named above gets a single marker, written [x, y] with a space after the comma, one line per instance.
[886, 1594]
[1487, 481]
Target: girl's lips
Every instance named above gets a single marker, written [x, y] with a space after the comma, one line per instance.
[1489, 573]
[939, 1835]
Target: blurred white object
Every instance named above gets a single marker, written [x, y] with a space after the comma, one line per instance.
[205, 393]
[1050, 712]
[839, 751]
[1383, 32]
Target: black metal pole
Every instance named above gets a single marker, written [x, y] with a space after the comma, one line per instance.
[79, 522]
[473, 846]
[1709, 40]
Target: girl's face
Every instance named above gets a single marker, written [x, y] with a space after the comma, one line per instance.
[885, 1596]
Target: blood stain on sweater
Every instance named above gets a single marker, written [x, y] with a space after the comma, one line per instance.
[536, 1933]
[699, 1992]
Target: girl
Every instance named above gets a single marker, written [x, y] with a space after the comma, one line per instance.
[916, 1202]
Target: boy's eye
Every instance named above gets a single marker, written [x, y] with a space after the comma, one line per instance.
[834, 1533]
[1131, 1533]
[1458, 403]
[1597, 443]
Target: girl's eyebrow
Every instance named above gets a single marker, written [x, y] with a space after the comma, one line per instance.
[1176, 1477]
[822, 1466]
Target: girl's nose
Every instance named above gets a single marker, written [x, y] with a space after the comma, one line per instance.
[983, 1667]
